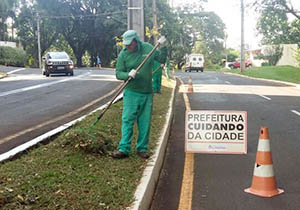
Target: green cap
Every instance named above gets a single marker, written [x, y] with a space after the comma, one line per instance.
[128, 36]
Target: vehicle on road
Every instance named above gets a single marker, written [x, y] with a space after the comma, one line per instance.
[237, 64]
[194, 62]
[57, 63]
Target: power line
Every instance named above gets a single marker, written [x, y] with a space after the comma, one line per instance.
[80, 16]
[77, 16]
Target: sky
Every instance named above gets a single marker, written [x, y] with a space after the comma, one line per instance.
[230, 13]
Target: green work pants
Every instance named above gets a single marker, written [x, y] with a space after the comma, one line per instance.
[157, 81]
[136, 106]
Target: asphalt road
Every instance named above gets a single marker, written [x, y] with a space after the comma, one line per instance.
[220, 180]
[32, 104]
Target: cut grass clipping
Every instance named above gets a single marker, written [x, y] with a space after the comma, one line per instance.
[76, 171]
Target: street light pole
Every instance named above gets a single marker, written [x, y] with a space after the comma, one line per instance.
[39, 40]
[136, 17]
[242, 38]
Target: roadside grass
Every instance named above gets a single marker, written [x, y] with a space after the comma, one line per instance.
[75, 170]
[282, 73]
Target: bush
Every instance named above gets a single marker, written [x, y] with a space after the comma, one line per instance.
[265, 64]
[212, 67]
[10, 56]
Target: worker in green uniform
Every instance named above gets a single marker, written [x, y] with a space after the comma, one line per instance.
[157, 73]
[137, 96]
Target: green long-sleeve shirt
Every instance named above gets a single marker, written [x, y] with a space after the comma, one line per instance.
[131, 60]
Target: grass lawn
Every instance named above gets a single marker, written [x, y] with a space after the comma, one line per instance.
[75, 170]
[282, 73]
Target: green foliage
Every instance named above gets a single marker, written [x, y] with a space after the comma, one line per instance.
[207, 32]
[272, 53]
[26, 23]
[7, 9]
[275, 23]
[12, 56]
[232, 55]
[297, 57]
[93, 25]
[265, 64]
[212, 67]
[211, 29]
[88, 25]
[86, 59]
[173, 27]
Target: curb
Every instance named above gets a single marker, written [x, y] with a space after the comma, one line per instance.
[11, 153]
[145, 190]
[267, 80]
[3, 76]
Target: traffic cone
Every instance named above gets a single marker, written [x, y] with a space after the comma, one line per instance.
[263, 181]
[190, 86]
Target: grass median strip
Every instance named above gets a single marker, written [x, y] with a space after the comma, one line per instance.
[281, 73]
[76, 171]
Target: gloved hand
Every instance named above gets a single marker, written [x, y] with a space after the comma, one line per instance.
[162, 41]
[132, 73]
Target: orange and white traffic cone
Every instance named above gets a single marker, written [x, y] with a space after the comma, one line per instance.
[190, 86]
[263, 181]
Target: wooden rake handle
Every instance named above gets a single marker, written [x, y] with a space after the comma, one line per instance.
[125, 84]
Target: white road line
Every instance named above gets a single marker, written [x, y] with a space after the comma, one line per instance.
[227, 82]
[39, 86]
[265, 97]
[16, 70]
[295, 112]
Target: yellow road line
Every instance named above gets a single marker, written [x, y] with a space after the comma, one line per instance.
[186, 194]
[70, 114]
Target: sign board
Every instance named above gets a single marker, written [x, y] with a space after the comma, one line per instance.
[222, 132]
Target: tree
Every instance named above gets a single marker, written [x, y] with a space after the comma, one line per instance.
[274, 24]
[170, 25]
[283, 5]
[7, 9]
[87, 27]
[211, 37]
[272, 53]
[26, 23]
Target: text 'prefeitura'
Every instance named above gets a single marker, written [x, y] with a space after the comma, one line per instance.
[216, 131]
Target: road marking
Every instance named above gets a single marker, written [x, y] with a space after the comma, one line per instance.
[186, 194]
[227, 82]
[16, 70]
[265, 97]
[295, 112]
[39, 86]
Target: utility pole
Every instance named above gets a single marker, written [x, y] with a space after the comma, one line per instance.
[154, 11]
[136, 17]
[39, 40]
[242, 38]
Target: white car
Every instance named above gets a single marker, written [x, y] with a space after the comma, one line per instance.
[194, 62]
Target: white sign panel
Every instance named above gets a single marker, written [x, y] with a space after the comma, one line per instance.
[223, 132]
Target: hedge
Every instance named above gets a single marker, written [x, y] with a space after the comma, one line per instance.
[10, 56]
